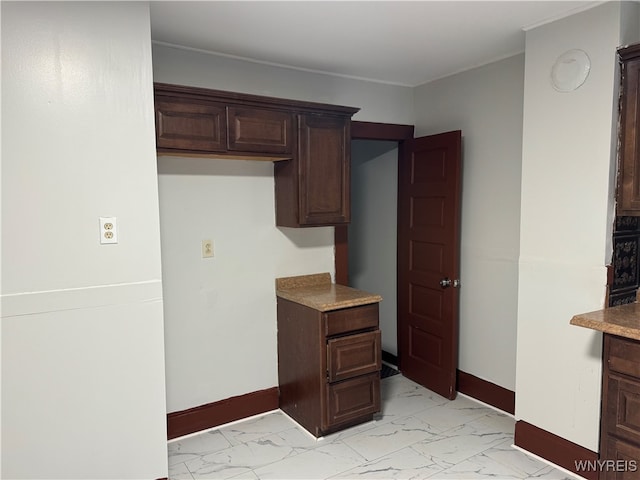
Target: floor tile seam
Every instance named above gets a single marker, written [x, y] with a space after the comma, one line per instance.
[423, 455]
[344, 436]
[522, 474]
[364, 462]
[368, 462]
[490, 416]
[256, 439]
[294, 453]
[518, 475]
[381, 457]
[411, 445]
[434, 428]
[231, 465]
[555, 467]
[204, 454]
[266, 434]
[314, 478]
[186, 468]
[547, 463]
[356, 453]
[463, 459]
[443, 432]
[442, 469]
[425, 409]
[410, 417]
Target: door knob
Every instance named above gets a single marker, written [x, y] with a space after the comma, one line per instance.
[447, 282]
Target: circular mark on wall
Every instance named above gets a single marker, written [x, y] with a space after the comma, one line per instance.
[570, 70]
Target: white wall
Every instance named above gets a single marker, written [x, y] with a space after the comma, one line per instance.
[82, 327]
[378, 102]
[565, 224]
[486, 104]
[373, 230]
[220, 313]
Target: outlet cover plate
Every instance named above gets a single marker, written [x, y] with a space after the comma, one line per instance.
[108, 230]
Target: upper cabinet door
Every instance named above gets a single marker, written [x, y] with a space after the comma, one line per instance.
[189, 126]
[260, 130]
[323, 169]
[628, 194]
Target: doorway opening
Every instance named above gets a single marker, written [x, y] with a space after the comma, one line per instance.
[366, 250]
[372, 233]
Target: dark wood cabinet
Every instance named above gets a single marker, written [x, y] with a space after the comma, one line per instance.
[309, 142]
[190, 127]
[620, 421]
[260, 130]
[628, 190]
[313, 189]
[328, 365]
[324, 167]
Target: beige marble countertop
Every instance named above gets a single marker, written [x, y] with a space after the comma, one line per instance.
[623, 320]
[317, 291]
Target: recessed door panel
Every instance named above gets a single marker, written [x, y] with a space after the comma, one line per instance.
[427, 212]
[426, 257]
[426, 303]
[425, 348]
[432, 170]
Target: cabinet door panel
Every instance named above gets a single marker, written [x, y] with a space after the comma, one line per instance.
[188, 126]
[629, 176]
[260, 130]
[352, 399]
[353, 355]
[623, 397]
[324, 170]
[619, 460]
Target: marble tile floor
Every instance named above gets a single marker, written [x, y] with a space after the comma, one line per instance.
[418, 435]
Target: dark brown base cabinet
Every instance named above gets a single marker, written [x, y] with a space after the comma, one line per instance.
[620, 427]
[328, 365]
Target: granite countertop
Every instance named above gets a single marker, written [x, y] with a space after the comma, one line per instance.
[317, 291]
[623, 321]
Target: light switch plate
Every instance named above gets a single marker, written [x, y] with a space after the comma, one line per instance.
[207, 248]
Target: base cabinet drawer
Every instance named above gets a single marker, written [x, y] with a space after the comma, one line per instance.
[354, 355]
[352, 399]
[624, 356]
[352, 319]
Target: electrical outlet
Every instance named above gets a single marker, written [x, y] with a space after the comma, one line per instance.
[108, 230]
[207, 249]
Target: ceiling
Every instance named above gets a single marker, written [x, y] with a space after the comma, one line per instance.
[395, 42]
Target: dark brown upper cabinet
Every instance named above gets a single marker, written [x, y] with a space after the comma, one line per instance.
[628, 191]
[260, 130]
[313, 189]
[190, 126]
[310, 143]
